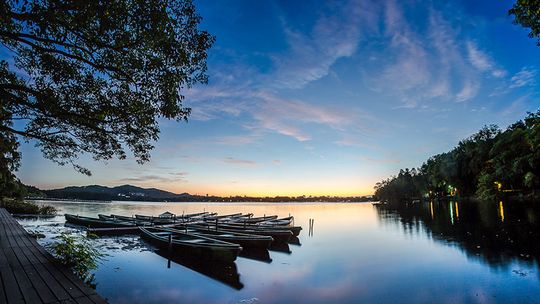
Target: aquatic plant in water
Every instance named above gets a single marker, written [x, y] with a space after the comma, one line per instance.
[79, 254]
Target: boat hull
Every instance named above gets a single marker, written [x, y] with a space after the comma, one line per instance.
[94, 223]
[194, 250]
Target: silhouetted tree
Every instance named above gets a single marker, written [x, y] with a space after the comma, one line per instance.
[95, 76]
[527, 14]
[486, 164]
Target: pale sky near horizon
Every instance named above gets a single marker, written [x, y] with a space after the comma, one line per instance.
[327, 98]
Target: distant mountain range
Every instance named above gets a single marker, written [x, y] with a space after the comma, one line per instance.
[124, 192]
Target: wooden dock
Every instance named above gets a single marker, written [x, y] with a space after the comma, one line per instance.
[29, 274]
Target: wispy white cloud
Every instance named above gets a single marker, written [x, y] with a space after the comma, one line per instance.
[174, 177]
[335, 35]
[237, 140]
[241, 162]
[269, 112]
[428, 61]
[482, 61]
[469, 90]
[525, 77]
[286, 116]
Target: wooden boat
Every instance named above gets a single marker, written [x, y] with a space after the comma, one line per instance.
[277, 234]
[242, 239]
[155, 219]
[294, 229]
[95, 222]
[127, 219]
[123, 217]
[204, 247]
[286, 221]
[259, 219]
[220, 217]
[113, 231]
[164, 220]
[193, 214]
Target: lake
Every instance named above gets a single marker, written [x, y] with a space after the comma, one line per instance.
[450, 252]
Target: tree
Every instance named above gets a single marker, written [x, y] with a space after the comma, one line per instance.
[527, 14]
[95, 76]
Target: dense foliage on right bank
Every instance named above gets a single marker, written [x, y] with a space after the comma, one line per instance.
[489, 164]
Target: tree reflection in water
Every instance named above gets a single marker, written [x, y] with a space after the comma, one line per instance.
[496, 233]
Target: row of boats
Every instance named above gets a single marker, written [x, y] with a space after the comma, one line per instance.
[206, 235]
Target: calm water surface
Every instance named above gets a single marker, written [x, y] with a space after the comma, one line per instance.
[445, 253]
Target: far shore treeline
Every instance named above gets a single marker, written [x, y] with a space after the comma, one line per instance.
[134, 193]
[490, 164]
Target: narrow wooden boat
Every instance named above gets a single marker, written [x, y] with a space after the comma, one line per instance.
[193, 214]
[204, 247]
[128, 219]
[123, 217]
[113, 231]
[277, 234]
[243, 239]
[164, 220]
[155, 219]
[286, 221]
[294, 229]
[95, 222]
[260, 219]
[225, 216]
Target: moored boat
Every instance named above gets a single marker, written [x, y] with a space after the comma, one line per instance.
[243, 239]
[259, 219]
[113, 231]
[223, 217]
[204, 247]
[155, 219]
[294, 229]
[95, 222]
[277, 234]
[286, 221]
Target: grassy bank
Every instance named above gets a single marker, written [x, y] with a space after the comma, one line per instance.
[18, 206]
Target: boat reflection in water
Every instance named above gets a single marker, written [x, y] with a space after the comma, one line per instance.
[224, 272]
[257, 254]
[294, 240]
[280, 247]
[495, 233]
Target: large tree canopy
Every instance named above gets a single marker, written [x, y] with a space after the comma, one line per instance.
[527, 14]
[95, 76]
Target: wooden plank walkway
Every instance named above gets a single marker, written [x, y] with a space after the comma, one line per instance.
[29, 274]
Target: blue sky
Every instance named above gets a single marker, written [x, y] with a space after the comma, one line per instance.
[313, 97]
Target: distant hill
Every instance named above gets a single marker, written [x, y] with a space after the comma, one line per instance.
[124, 192]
